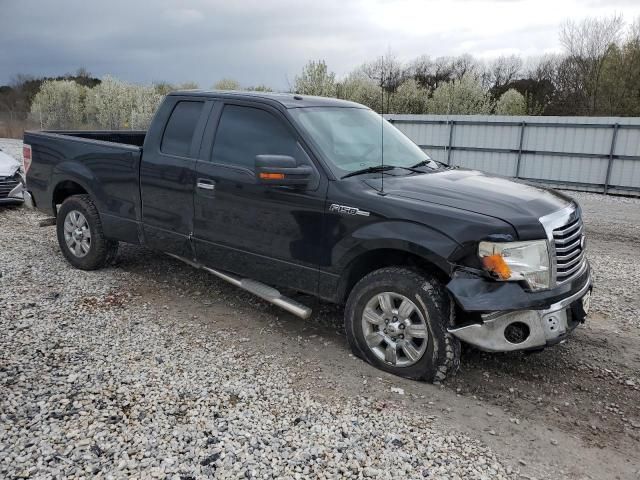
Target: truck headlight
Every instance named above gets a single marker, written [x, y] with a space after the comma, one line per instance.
[515, 261]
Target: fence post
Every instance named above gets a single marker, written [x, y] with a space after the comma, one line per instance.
[451, 125]
[611, 153]
[523, 125]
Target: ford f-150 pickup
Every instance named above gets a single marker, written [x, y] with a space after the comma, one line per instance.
[323, 196]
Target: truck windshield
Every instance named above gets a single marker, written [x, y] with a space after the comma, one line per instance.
[351, 139]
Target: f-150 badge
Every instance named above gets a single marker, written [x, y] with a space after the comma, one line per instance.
[345, 209]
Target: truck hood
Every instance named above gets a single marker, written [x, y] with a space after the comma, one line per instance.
[8, 165]
[517, 203]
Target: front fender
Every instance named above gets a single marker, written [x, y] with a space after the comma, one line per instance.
[428, 243]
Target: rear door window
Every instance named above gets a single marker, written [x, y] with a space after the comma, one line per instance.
[180, 128]
[244, 132]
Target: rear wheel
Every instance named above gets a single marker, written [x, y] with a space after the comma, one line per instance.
[80, 234]
[397, 318]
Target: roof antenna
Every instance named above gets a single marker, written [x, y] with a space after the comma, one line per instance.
[381, 192]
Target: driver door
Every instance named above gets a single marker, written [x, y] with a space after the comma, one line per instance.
[267, 233]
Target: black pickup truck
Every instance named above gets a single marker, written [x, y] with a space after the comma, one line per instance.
[322, 196]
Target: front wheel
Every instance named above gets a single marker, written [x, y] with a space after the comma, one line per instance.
[80, 234]
[396, 319]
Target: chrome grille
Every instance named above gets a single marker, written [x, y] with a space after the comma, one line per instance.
[569, 247]
[7, 184]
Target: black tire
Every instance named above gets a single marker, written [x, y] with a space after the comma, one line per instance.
[102, 251]
[441, 355]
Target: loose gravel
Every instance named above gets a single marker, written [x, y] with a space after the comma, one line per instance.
[613, 248]
[12, 147]
[95, 383]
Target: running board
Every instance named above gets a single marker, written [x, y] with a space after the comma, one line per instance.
[261, 290]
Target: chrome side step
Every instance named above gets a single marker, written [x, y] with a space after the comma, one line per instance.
[261, 290]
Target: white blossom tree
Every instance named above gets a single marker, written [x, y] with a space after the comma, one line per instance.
[357, 87]
[227, 84]
[146, 101]
[109, 105]
[115, 104]
[316, 79]
[59, 104]
[409, 98]
[511, 102]
[460, 97]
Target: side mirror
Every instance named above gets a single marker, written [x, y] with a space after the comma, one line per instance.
[281, 170]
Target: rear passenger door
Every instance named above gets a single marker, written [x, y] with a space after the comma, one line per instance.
[267, 233]
[167, 174]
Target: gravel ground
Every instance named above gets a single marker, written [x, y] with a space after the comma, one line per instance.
[613, 235]
[92, 383]
[150, 369]
[12, 147]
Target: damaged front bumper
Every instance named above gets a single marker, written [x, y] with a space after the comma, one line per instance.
[532, 322]
[18, 195]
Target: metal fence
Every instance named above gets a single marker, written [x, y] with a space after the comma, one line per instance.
[597, 154]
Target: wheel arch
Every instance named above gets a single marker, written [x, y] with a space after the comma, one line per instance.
[65, 189]
[374, 259]
[73, 178]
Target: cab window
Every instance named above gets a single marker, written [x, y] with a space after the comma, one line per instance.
[244, 132]
[180, 128]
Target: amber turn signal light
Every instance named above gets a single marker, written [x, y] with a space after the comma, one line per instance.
[496, 265]
[271, 176]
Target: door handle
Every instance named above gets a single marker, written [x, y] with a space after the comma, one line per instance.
[205, 184]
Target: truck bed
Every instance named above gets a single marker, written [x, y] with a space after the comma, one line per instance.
[124, 137]
[104, 164]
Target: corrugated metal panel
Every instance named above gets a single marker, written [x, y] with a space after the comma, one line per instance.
[625, 173]
[628, 142]
[486, 136]
[498, 163]
[565, 169]
[575, 151]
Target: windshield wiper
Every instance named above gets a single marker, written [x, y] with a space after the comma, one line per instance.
[425, 163]
[376, 169]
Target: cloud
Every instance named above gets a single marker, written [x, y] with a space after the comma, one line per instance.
[267, 41]
[184, 16]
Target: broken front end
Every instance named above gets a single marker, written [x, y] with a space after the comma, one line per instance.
[529, 294]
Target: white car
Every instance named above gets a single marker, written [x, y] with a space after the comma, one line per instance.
[12, 181]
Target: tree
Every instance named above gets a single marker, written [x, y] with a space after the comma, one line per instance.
[316, 79]
[460, 97]
[409, 98]
[503, 70]
[188, 86]
[145, 102]
[587, 44]
[511, 102]
[227, 84]
[388, 74]
[58, 104]
[357, 87]
[620, 84]
[430, 74]
[109, 105]
[164, 88]
[465, 65]
[115, 104]
[259, 88]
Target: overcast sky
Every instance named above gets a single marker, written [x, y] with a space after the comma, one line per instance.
[269, 41]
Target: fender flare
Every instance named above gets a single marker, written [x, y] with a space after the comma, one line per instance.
[429, 244]
[71, 171]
